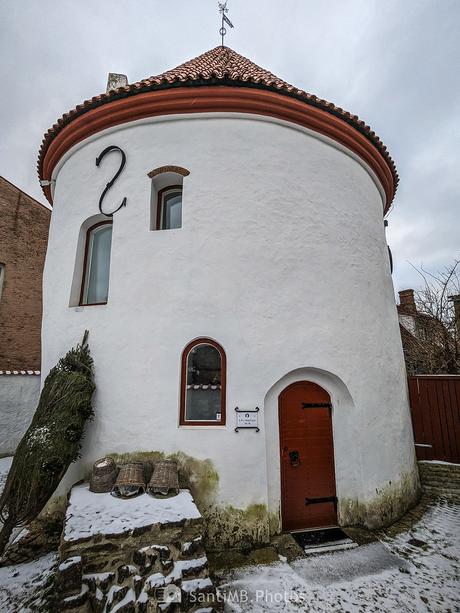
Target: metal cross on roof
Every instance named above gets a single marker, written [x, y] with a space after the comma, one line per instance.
[225, 20]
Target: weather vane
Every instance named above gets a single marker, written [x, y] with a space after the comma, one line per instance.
[225, 20]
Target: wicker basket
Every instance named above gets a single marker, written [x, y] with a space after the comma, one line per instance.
[165, 479]
[130, 481]
[103, 476]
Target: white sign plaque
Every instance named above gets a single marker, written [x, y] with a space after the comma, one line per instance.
[247, 419]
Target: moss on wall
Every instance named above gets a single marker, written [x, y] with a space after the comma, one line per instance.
[198, 475]
[231, 527]
[241, 528]
[389, 503]
[226, 526]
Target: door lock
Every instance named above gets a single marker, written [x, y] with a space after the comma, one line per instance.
[294, 458]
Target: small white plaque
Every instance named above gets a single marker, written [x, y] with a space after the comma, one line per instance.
[247, 419]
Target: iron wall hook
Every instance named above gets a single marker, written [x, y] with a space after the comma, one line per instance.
[99, 159]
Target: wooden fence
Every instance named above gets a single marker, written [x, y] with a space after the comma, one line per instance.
[435, 407]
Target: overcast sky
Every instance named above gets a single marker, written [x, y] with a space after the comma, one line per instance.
[395, 63]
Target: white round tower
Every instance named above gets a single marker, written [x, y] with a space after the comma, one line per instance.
[247, 269]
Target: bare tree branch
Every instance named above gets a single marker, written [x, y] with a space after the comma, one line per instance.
[432, 346]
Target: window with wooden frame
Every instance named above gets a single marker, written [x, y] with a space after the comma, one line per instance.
[166, 197]
[203, 383]
[96, 265]
[169, 208]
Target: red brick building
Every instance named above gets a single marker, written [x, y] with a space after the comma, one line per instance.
[428, 344]
[24, 226]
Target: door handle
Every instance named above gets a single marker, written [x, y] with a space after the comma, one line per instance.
[294, 458]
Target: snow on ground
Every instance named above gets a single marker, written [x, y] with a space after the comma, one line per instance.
[416, 571]
[438, 462]
[5, 464]
[21, 585]
[89, 514]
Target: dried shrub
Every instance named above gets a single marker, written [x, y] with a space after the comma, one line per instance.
[52, 441]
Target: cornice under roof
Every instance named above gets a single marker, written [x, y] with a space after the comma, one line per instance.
[219, 66]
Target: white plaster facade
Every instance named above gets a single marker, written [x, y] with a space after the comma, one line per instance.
[281, 258]
[19, 395]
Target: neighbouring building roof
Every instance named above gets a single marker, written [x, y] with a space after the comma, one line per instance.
[429, 347]
[19, 372]
[219, 66]
[30, 199]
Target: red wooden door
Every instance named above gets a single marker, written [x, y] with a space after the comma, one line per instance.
[307, 457]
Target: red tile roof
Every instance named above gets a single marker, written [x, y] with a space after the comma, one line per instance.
[219, 66]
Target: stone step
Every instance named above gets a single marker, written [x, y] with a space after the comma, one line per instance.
[437, 488]
[441, 476]
[447, 474]
[452, 474]
[128, 555]
[441, 483]
[438, 466]
[439, 472]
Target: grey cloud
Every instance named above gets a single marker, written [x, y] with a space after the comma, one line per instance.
[395, 64]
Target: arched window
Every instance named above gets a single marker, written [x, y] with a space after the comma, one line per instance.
[169, 208]
[96, 265]
[203, 381]
[166, 197]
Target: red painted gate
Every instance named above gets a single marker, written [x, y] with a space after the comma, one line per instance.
[435, 408]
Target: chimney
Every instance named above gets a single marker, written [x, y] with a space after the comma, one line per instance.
[115, 80]
[407, 301]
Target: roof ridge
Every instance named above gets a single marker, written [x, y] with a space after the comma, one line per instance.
[220, 62]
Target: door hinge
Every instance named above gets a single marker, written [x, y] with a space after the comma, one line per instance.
[321, 500]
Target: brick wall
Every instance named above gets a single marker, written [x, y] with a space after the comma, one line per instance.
[23, 238]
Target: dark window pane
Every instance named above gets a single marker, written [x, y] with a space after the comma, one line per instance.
[203, 392]
[98, 265]
[172, 210]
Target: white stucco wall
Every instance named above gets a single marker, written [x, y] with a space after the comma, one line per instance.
[408, 321]
[19, 395]
[281, 258]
